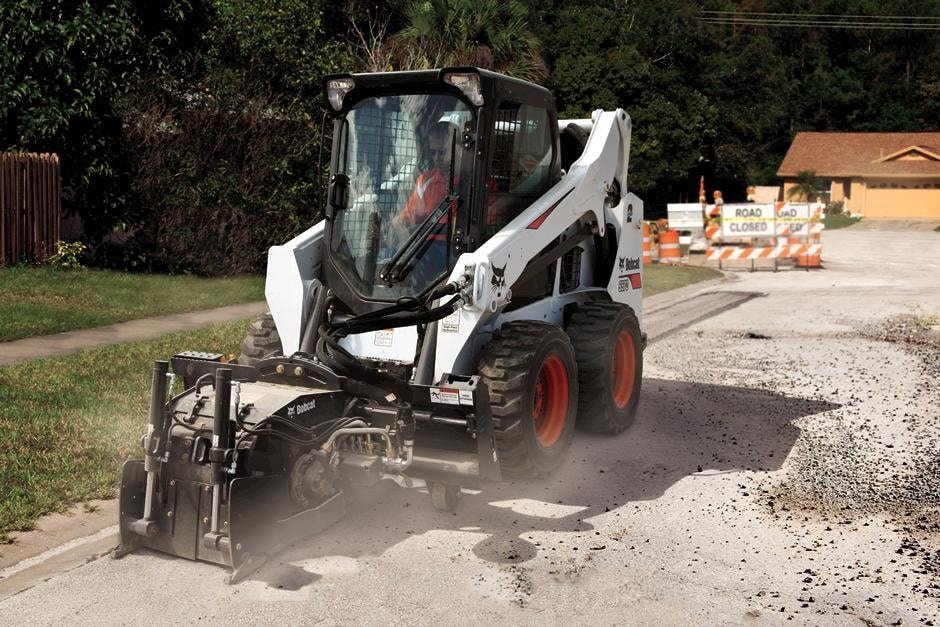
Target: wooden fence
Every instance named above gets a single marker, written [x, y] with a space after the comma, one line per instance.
[30, 206]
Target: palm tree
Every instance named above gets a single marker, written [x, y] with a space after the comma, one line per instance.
[805, 187]
[491, 34]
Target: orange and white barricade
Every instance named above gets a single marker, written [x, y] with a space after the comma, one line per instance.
[728, 253]
[812, 257]
[712, 231]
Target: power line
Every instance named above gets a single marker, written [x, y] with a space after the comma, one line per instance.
[821, 20]
[806, 24]
[823, 15]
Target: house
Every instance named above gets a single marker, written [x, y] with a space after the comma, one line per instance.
[878, 175]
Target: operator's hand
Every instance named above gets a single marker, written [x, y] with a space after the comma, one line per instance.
[398, 231]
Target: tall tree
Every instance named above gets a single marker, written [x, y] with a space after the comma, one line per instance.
[636, 56]
[491, 34]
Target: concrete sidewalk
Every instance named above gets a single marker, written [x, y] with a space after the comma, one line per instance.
[131, 331]
[69, 342]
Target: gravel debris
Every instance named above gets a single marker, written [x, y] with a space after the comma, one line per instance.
[871, 455]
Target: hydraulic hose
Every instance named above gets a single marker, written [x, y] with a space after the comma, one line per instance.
[336, 357]
[364, 324]
[406, 312]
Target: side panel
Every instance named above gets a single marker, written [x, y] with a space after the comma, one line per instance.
[626, 281]
[291, 269]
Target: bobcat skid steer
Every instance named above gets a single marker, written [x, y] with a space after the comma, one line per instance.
[472, 296]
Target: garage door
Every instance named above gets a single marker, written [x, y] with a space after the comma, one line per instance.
[911, 199]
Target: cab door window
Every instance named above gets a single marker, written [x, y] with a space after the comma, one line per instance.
[522, 166]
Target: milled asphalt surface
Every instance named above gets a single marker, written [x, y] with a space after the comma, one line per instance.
[132, 331]
[781, 470]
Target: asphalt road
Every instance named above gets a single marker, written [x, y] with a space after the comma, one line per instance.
[784, 467]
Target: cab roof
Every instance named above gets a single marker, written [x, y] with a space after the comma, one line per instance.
[493, 86]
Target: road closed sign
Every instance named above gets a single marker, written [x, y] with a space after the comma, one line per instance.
[794, 218]
[747, 220]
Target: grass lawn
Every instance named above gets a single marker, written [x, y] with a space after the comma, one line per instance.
[839, 221]
[39, 301]
[660, 277]
[68, 423]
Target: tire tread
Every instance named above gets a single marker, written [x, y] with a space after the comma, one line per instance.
[589, 330]
[261, 341]
[504, 366]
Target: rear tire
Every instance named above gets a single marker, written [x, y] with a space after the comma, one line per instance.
[607, 343]
[531, 373]
[261, 342]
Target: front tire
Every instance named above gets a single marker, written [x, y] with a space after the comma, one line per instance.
[531, 373]
[607, 342]
[262, 341]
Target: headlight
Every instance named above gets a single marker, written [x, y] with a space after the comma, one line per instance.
[469, 84]
[336, 90]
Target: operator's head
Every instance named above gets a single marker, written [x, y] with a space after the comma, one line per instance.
[439, 141]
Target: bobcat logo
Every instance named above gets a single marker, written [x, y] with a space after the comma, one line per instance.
[499, 276]
[629, 263]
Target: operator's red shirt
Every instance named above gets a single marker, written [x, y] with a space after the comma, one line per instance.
[430, 189]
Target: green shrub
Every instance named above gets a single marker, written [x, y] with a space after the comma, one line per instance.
[224, 151]
[836, 208]
[68, 256]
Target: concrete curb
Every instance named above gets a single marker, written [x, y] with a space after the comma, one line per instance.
[58, 344]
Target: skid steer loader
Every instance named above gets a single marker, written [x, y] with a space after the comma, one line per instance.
[473, 294]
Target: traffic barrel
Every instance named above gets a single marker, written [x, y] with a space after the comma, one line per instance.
[647, 245]
[669, 251]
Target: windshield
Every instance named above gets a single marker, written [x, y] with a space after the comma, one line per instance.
[404, 157]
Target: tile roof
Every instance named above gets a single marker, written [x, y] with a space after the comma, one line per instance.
[833, 155]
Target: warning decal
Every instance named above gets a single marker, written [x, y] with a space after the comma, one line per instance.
[451, 324]
[384, 338]
[445, 396]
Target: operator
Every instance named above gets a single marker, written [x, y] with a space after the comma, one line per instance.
[434, 183]
[429, 191]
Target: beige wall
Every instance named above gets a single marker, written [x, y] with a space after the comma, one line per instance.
[848, 191]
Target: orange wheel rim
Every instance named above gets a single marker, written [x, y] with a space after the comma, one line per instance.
[623, 370]
[550, 404]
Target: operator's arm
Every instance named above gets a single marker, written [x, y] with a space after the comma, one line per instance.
[415, 208]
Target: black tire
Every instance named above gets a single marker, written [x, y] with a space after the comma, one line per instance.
[261, 342]
[609, 390]
[531, 373]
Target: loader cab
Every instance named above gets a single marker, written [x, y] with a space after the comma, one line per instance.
[425, 166]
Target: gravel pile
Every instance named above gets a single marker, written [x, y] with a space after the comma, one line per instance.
[859, 460]
[873, 452]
